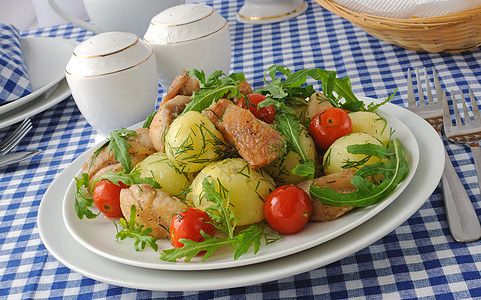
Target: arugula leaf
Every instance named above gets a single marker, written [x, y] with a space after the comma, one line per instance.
[393, 172]
[131, 230]
[219, 212]
[149, 119]
[278, 88]
[288, 125]
[192, 248]
[119, 145]
[213, 88]
[83, 200]
[128, 178]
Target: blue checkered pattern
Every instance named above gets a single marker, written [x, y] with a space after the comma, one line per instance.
[14, 81]
[419, 259]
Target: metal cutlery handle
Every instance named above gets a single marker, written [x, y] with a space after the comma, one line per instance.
[462, 218]
[476, 151]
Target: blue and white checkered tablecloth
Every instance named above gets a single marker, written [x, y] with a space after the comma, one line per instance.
[419, 259]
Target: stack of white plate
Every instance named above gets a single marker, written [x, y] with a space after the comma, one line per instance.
[45, 59]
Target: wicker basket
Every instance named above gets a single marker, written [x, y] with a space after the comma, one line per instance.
[451, 33]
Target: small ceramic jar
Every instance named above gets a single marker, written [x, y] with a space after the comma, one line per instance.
[189, 36]
[113, 80]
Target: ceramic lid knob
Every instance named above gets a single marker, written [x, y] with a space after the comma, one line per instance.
[107, 53]
[183, 23]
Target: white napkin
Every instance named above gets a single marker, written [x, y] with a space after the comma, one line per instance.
[405, 9]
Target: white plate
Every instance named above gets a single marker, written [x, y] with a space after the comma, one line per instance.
[40, 104]
[98, 235]
[69, 252]
[45, 59]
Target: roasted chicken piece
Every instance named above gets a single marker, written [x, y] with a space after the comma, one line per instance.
[163, 118]
[182, 85]
[340, 182]
[154, 208]
[257, 142]
[317, 102]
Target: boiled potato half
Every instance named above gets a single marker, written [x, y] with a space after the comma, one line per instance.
[337, 157]
[371, 123]
[248, 188]
[192, 142]
[162, 170]
[281, 170]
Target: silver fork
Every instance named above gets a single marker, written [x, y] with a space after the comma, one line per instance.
[467, 132]
[14, 138]
[462, 219]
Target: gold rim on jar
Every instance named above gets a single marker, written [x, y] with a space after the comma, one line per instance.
[113, 72]
[274, 17]
[107, 54]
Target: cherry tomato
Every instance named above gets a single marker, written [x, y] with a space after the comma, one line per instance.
[329, 125]
[288, 209]
[188, 224]
[265, 114]
[107, 198]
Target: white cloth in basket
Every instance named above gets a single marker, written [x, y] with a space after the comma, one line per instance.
[405, 9]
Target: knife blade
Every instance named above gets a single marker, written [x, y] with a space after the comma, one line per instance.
[12, 158]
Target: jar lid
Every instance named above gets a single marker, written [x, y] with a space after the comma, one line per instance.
[183, 23]
[108, 53]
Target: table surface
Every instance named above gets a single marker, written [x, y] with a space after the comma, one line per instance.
[420, 258]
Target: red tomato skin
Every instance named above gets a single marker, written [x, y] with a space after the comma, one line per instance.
[288, 209]
[265, 114]
[329, 125]
[106, 197]
[188, 224]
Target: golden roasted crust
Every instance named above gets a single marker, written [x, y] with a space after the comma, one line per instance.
[154, 208]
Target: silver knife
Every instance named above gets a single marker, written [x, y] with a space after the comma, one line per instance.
[12, 158]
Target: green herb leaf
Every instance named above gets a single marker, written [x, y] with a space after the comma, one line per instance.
[213, 88]
[191, 248]
[288, 125]
[248, 238]
[119, 145]
[83, 200]
[128, 178]
[149, 119]
[131, 230]
[393, 172]
[219, 211]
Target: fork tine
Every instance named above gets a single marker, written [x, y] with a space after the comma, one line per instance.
[7, 140]
[420, 88]
[467, 119]
[474, 106]
[411, 96]
[457, 117]
[15, 139]
[448, 122]
[428, 87]
[437, 85]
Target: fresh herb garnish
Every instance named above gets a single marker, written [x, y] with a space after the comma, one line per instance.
[288, 125]
[393, 171]
[213, 88]
[149, 119]
[128, 178]
[223, 219]
[131, 230]
[83, 199]
[118, 144]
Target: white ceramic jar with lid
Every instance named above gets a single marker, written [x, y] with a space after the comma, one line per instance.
[189, 36]
[113, 80]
